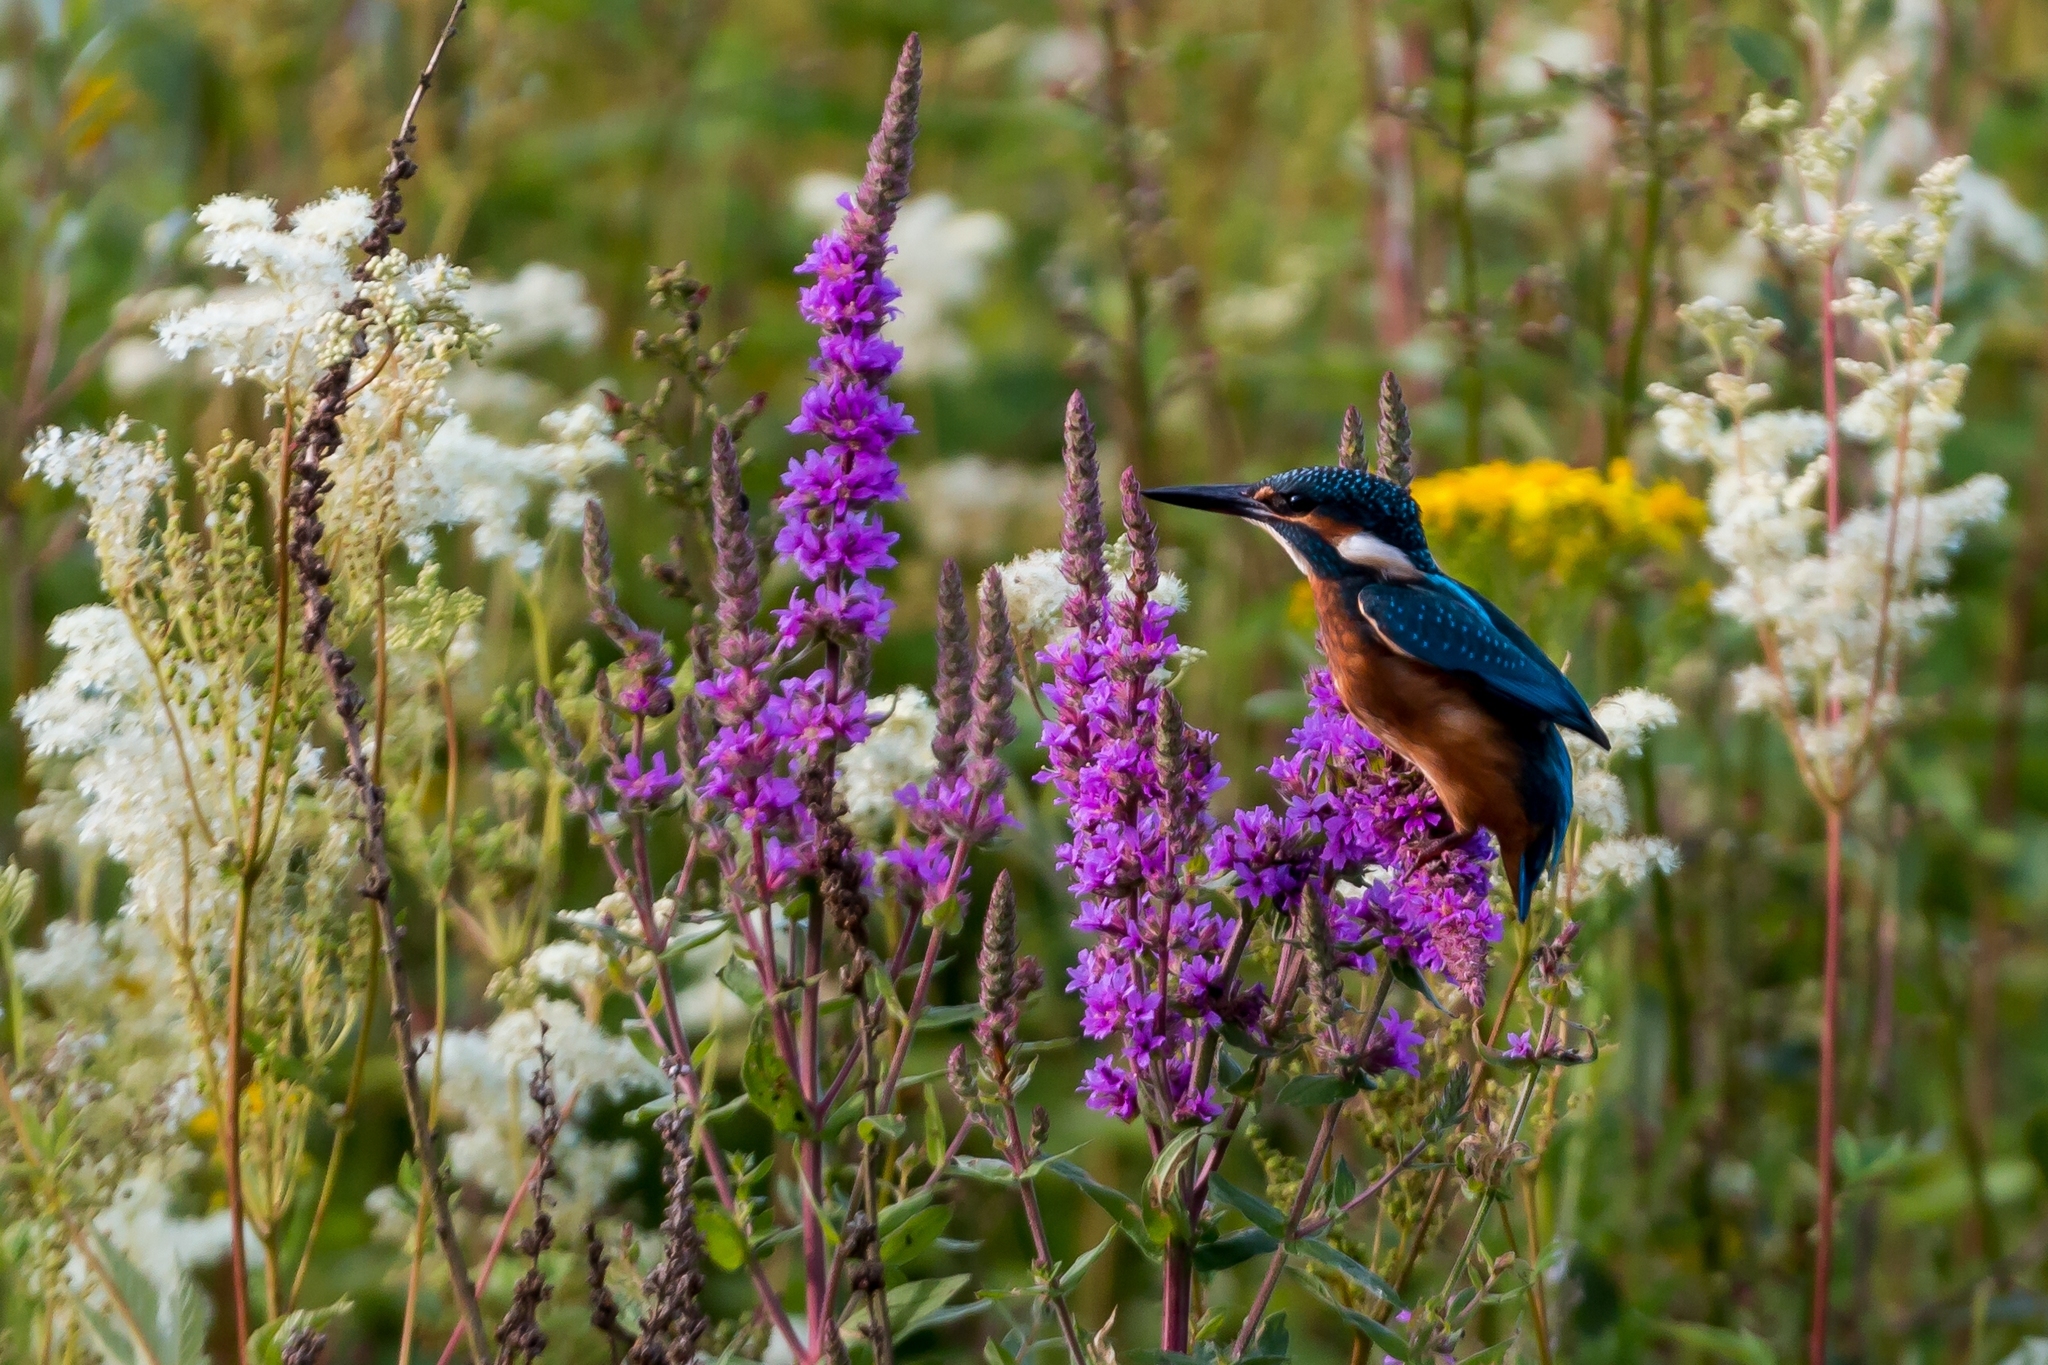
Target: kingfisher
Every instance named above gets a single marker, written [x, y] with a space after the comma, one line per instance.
[1436, 672]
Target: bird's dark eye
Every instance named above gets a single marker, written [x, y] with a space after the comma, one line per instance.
[1286, 504]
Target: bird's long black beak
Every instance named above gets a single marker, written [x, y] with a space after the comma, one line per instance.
[1231, 499]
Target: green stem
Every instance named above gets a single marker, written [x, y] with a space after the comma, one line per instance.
[1468, 249]
[1620, 418]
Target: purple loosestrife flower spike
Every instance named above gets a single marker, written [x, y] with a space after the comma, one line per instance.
[1347, 805]
[740, 771]
[1153, 981]
[953, 688]
[889, 154]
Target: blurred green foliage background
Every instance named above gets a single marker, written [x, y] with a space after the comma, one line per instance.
[1222, 221]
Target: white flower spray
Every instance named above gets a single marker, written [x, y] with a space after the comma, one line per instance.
[1840, 599]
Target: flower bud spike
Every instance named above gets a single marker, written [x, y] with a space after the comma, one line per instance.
[1081, 540]
[1396, 452]
[1170, 752]
[998, 961]
[887, 180]
[1351, 441]
[1144, 534]
[737, 575]
[954, 684]
[562, 746]
[994, 687]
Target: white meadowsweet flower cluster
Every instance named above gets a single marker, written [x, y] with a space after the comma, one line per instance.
[896, 754]
[474, 479]
[410, 460]
[1837, 611]
[1037, 591]
[1603, 852]
[1820, 156]
[483, 1075]
[120, 480]
[274, 328]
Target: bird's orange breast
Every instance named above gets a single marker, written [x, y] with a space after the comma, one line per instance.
[1430, 717]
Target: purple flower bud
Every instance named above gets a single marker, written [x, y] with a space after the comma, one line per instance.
[1082, 541]
[953, 688]
[994, 690]
[1351, 441]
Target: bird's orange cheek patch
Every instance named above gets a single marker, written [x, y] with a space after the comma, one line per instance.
[1329, 528]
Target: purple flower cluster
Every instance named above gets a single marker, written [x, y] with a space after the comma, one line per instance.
[1349, 805]
[1136, 785]
[831, 525]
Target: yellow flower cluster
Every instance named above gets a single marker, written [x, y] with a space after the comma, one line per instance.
[1571, 525]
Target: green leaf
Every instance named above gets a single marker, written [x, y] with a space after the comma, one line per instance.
[987, 1169]
[124, 1283]
[993, 1353]
[916, 1236]
[741, 980]
[267, 1343]
[1764, 53]
[767, 1079]
[1378, 1333]
[1165, 1172]
[925, 1303]
[1044, 1045]
[1256, 1211]
[1072, 1275]
[1235, 1249]
[890, 1126]
[1322, 1252]
[947, 1016]
[1405, 973]
[900, 1212]
[1271, 1344]
[1114, 1202]
[1321, 1088]
[1343, 1184]
[679, 948]
[722, 1240]
[935, 1136]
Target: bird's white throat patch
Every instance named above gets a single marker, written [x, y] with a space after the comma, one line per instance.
[1370, 552]
[1288, 545]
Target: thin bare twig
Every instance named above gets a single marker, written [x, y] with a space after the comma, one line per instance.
[318, 438]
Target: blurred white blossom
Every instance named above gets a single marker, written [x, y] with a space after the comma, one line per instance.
[541, 305]
[971, 507]
[896, 754]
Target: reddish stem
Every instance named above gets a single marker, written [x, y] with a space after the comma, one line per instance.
[1824, 1160]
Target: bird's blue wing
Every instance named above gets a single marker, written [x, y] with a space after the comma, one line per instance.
[1445, 624]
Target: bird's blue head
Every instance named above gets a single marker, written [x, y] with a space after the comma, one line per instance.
[1334, 523]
